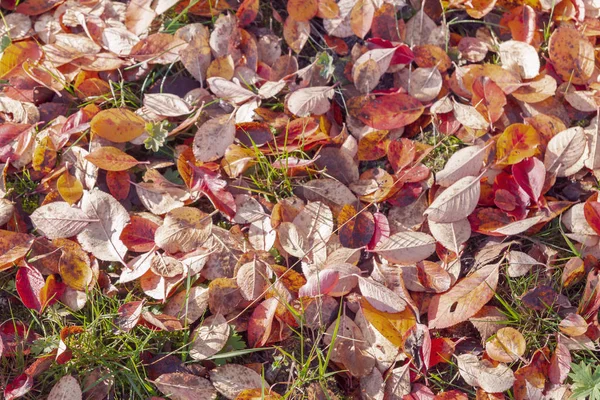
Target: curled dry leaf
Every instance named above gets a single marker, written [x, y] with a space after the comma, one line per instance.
[184, 229]
[184, 386]
[210, 337]
[482, 374]
[507, 345]
[213, 138]
[231, 379]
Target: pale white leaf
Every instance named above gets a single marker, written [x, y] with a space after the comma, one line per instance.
[574, 220]
[166, 104]
[451, 235]
[465, 162]
[59, 220]
[210, 337]
[380, 297]
[592, 133]
[7, 209]
[311, 100]
[406, 247]
[252, 279]
[456, 202]
[229, 91]
[101, 237]
[469, 116]
[425, 84]
[481, 374]
[520, 57]
[519, 263]
[565, 154]
[517, 227]
[67, 388]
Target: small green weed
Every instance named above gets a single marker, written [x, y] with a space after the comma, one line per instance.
[586, 381]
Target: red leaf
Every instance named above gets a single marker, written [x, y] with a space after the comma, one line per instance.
[402, 55]
[261, 321]
[20, 386]
[530, 175]
[211, 184]
[591, 211]
[52, 291]
[30, 282]
[138, 234]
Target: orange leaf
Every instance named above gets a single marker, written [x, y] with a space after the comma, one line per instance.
[391, 325]
[111, 159]
[328, 9]
[516, 143]
[118, 125]
[296, 33]
[69, 188]
[361, 17]
[572, 55]
[302, 10]
[373, 146]
[480, 8]
[247, 12]
[386, 111]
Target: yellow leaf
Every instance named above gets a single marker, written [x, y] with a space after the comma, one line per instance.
[392, 326]
[516, 143]
[74, 264]
[69, 188]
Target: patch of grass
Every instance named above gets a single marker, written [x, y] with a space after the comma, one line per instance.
[23, 188]
[443, 148]
[275, 182]
[100, 345]
[536, 326]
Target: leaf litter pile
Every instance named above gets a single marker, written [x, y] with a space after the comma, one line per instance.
[307, 199]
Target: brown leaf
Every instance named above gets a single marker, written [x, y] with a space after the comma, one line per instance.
[184, 386]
